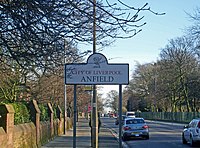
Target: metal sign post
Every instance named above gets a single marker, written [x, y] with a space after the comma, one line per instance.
[94, 119]
[65, 108]
[120, 115]
[75, 116]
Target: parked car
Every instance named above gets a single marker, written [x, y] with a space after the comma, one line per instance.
[191, 132]
[117, 119]
[135, 127]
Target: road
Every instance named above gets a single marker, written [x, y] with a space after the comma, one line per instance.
[162, 135]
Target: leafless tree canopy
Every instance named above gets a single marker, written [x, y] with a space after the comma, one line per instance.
[32, 35]
[32, 32]
[169, 84]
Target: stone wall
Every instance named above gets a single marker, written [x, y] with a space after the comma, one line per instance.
[7, 124]
[45, 132]
[24, 136]
[29, 135]
[3, 137]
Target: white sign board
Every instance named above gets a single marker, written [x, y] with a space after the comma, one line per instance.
[96, 71]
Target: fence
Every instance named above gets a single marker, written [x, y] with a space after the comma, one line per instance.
[182, 117]
[29, 135]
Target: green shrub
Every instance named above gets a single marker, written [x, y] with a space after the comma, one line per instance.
[44, 112]
[21, 113]
[55, 113]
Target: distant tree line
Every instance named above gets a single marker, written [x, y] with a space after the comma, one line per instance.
[172, 83]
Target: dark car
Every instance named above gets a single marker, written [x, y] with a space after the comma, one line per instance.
[117, 119]
[191, 132]
[135, 127]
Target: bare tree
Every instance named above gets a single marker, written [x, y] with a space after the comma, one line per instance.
[167, 84]
[32, 32]
[181, 61]
[112, 100]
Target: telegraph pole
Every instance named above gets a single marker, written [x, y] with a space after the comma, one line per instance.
[65, 91]
[94, 99]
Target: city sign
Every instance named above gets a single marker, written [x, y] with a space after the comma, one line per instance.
[96, 71]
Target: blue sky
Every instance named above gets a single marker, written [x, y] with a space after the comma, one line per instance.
[145, 46]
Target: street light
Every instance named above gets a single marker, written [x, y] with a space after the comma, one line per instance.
[65, 89]
[94, 100]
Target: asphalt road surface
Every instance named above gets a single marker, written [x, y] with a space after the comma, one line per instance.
[162, 135]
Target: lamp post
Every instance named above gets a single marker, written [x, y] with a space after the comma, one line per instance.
[94, 99]
[65, 93]
[155, 86]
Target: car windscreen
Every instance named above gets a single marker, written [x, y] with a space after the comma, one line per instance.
[135, 121]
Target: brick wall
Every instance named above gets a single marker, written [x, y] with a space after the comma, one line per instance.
[29, 135]
[24, 136]
[3, 137]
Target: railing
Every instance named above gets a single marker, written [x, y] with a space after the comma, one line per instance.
[182, 117]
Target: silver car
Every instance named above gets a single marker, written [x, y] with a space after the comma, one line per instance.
[191, 132]
[135, 127]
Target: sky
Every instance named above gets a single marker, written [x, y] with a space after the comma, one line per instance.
[146, 46]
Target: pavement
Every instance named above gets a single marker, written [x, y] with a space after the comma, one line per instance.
[106, 139]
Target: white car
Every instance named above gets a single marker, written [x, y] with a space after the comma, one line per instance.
[130, 114]
[191, 132]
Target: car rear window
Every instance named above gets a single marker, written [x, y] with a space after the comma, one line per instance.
[130, 114]
[134, 121]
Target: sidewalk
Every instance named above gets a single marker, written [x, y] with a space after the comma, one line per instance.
[83, 138]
